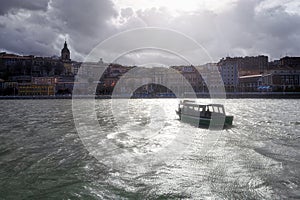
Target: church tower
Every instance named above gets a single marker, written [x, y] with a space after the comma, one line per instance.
[66, 60]
[65, 53]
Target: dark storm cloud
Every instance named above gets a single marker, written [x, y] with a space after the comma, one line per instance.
[13, 5]
[40, 27]
[86, 23]
[86, 17]
[42, 32]
[271, 31]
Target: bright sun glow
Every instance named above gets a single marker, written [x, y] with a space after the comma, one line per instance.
[175, 5]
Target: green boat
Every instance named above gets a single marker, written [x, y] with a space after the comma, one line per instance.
[204, 115]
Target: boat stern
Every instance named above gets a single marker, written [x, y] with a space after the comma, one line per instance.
[228, 120]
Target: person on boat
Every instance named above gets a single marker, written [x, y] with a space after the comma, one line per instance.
[202, 112]
[179, 111]
[207, 113]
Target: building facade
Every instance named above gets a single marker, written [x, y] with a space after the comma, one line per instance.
[251, 83]
[283, 80]
[28, 89]
[230, 75]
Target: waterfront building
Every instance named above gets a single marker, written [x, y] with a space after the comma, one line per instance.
[273, 65]
[212, 79]
[191, 75]
[12, 65]
[44, 80]
[46, 66]
[249, 65]
[16, 65]
[8, 60]
[20, 79]
[76, 67]
[10, 84]
[9, 88]
[282, 80]
[146, 82]
[250, 83]
[64, 84]
[291, 62]
[29, 89]
[230, 75]
[250, 73]
[69, 70]
[232, 68]
[117, 69]
[252, 65]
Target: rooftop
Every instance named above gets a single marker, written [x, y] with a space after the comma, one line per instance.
[252, 76]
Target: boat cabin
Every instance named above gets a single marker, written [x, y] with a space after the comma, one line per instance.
[193, 109]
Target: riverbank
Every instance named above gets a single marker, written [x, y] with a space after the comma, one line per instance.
[269, 95]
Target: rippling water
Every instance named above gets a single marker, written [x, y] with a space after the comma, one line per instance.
[143, 151]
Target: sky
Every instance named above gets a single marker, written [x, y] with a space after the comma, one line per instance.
[223, 28]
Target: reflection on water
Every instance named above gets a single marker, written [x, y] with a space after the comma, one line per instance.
[142, 151]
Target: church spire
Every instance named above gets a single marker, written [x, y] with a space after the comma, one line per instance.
[65, 52]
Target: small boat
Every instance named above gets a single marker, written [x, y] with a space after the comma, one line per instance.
[203, 115]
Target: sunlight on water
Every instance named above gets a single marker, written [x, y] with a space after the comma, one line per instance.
[142, 151]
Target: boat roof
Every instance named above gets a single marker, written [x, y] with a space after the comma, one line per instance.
[193, 103]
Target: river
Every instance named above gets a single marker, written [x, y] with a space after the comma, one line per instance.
[144, 151]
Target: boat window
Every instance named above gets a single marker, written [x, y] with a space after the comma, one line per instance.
[221, 109]
[213, 109]
[216, 109]
[210, 108]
